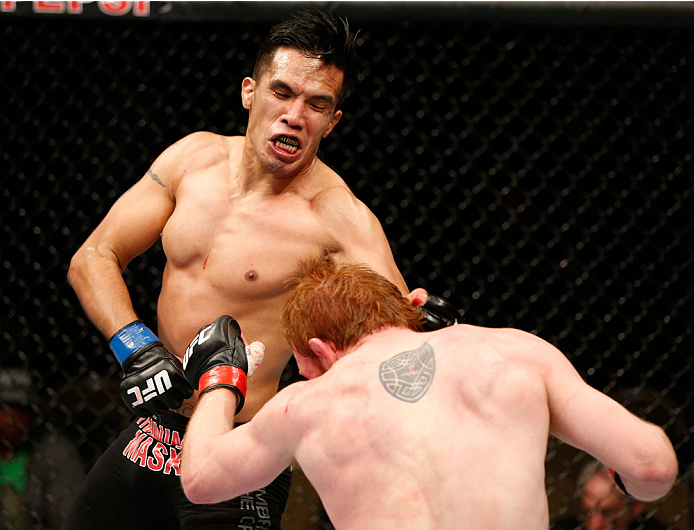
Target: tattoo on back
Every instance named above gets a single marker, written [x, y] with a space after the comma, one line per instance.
[408, 375]
[155, 177]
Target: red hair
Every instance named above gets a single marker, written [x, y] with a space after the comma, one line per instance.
[341, 302]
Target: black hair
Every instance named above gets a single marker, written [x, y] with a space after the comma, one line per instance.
[317, 34]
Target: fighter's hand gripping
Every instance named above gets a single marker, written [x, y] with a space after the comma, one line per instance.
[153, 381]
[438, 313]
[217, 357]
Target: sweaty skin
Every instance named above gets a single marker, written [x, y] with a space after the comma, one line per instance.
[230, 253]
[466, 449]
[235, 216]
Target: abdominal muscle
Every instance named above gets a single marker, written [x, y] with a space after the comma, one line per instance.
[231, 254]
[186, 304]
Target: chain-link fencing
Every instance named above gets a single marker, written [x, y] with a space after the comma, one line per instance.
[537, 174]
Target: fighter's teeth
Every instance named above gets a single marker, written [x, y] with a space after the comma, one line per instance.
[288, 140]
[287, 143]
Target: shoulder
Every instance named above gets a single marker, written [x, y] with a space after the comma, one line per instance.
[194, 151]
[295, 398]
[290, 410]
[331, 199]
[325, 189]
[336, 198]
[510, 343]
[338, 208]
[533, 353]
[287, 400]
[528, 348]
[192, 145]
[198, 137]
[512, 338]
[491, 335]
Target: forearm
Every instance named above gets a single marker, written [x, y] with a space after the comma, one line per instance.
[98, 282]
[656, 473]
[639, 451]
[202, 476]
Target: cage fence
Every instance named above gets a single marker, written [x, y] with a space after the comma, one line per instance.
[535, 170]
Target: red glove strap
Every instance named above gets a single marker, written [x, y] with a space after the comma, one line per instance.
[617, 481]
[228, 376]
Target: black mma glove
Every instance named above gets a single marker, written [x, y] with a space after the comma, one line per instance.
[153, 381]
[438, 313]
[217, 358]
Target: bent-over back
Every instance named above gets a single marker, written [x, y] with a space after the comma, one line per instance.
[429, 430]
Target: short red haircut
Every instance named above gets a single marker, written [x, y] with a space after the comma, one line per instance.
[341, 302]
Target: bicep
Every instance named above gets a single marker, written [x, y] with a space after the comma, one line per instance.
[135, 221]
[592, 421]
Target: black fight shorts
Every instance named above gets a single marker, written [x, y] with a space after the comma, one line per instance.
[135, 485]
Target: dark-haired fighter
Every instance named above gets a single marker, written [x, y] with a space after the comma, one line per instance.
[401, 429]
[236, 215]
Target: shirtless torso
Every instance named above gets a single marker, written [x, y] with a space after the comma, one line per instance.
[231, 244]
[468, 452]
[235, 216]
[231, 250]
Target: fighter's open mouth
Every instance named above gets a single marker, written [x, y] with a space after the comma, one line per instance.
[287, 143]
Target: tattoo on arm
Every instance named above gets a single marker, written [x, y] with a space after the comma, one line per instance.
[155, 177]
[408, 375]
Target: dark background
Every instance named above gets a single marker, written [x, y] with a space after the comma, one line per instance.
[531, 163]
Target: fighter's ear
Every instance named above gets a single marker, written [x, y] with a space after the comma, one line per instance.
[336, 117]
[247, 89]
[324, 350]
[418, 297]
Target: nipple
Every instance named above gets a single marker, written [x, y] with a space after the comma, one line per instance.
[251, 275]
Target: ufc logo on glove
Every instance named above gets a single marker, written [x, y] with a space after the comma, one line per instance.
[151, 373]
[200, 338]
[155, 386]
[217, 358]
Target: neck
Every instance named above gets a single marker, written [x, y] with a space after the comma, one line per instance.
[255, 177]
[382, 335]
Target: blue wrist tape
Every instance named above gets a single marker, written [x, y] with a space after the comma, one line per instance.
[130, 339]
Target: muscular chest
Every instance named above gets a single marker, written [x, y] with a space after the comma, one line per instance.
[247, 245]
